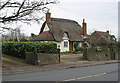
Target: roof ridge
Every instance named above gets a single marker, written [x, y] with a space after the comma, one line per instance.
[63, 19]
[101, 31]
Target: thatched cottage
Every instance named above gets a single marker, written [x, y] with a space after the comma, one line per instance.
[62, 31]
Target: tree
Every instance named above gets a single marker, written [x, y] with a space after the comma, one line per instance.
[22, 10]
[14, 35]
[33, 35]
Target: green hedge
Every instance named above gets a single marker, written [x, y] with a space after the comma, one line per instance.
[102, 49]
[19, 49]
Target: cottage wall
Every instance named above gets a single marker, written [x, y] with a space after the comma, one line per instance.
[46, 28]
[61, 44]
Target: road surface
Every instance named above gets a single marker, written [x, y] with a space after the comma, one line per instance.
[108, 72]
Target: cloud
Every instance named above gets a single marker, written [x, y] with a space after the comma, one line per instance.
[99, 15]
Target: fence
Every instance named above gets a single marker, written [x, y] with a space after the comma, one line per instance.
[42, 58]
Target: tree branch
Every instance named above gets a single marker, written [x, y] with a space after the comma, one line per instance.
[26, 9]
[4, 5]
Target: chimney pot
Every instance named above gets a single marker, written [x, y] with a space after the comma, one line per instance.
[83, 20]
[107, 32]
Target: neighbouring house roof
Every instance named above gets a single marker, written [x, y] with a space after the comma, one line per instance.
[44, 36]
[104, 35]
[58, 26]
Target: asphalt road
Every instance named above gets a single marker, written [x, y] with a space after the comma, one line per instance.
[108, 72]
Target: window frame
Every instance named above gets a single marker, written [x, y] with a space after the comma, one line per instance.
[65, 44]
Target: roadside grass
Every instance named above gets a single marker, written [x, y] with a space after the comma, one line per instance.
[9, 63]
[13, 58]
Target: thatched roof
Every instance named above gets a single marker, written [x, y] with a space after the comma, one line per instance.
[58, 26]
[45, 36]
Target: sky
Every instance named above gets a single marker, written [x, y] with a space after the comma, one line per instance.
[99, 15]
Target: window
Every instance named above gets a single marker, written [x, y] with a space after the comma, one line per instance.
[65, 44]
[65, 34]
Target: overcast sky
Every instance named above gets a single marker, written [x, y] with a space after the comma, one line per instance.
[101, 16]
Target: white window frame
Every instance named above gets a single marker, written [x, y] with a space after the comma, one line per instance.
[65, 44]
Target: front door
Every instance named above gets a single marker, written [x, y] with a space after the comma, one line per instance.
[70, 46]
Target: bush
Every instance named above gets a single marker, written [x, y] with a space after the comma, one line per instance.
[80, 49]
[77, 47]
[19, 49]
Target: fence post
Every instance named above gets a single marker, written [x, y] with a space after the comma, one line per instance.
[112, 52]
[35, 57]
[59, 55]
[85, 53]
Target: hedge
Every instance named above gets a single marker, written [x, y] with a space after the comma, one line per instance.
[103, 50]
[19, 49]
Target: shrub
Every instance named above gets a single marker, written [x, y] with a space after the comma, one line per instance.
[19, 49]
[76, 46]
[80, 49]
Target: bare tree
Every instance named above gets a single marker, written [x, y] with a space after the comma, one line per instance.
[14, 35]
[22, 10]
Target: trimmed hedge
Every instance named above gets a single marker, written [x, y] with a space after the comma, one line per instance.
[19, 49]
[103, 50]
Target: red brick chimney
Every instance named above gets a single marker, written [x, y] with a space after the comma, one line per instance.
[48, 15]
[84, 28]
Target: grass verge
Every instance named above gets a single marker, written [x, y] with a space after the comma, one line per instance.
[13, 58]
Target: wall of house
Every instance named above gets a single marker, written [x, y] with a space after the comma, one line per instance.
[65, 48]
[61, 44]
[46, 28]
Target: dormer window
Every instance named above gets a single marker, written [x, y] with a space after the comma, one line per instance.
[65, 34]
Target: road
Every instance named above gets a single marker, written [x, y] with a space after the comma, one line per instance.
[108, 72]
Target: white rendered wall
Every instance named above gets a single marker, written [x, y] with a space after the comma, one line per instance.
[46, 28]
[61, 44]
